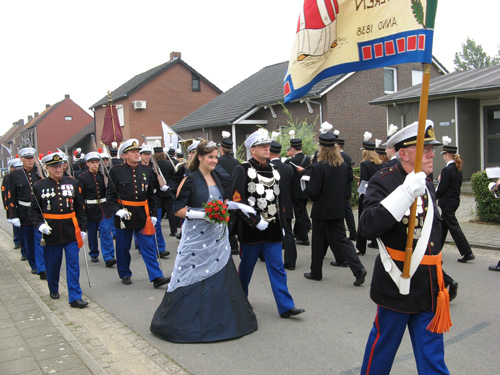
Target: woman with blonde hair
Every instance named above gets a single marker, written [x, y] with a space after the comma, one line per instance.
[329, 179]
[448, 196]
[369, 166]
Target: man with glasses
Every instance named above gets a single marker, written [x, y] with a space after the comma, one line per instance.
[424, 305]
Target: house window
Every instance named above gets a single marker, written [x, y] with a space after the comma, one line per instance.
[68, 118]
[195, 82]
[416, 77]
[390, 80]
[121, 117]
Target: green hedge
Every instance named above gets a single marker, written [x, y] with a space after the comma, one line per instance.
[488, 207]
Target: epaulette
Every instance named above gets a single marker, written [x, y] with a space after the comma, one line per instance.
[386, 171]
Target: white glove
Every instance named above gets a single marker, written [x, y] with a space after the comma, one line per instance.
[164, 188]
[84, 235]
[44, 229]
[262, 225]
[247, 210]
[192, 214]
[283, 231]
[398, 202]
[124, 214]
[154, 220]
[15, 222]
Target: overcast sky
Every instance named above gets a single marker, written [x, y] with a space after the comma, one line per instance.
[85, 48]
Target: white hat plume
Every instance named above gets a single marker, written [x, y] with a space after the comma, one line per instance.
[325, 127]
[446, 140]
[367, 136]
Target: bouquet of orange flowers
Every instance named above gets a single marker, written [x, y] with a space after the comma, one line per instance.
[217, 212]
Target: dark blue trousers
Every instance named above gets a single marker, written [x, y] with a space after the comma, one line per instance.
[159, 232]
[147, 246]
[274, 262]
[107, 247]
[34, 251]
[17, 239]
[386, 335]
[53, 260]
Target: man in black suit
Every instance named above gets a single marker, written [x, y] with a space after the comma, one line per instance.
[228, 162]
[285, 184]
[300, 163]
[349, 217]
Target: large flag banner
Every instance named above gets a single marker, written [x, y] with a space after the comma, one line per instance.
[111, 130]
[342, 36]
[170, 138]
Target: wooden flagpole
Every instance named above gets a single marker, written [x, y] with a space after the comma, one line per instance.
[422, 117]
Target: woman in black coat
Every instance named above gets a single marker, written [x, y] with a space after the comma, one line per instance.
[369, 166]
[327, 190]
[448, 195]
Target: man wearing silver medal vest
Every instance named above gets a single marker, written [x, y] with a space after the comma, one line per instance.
[256, 183]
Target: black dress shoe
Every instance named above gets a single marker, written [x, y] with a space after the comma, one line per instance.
[94, 259]
[303, 242]
[164, 254]
[338, 264]
[80, 304]
[452, 290]
[126, 280]
[24, 257]
[293, 311]
[34, 271]
[173, 234]
[159, 281]
[289, 266]
[54, 295]
[110, 262]
[360, 277]
[373, 245]
[178, 236]
[17, 246]
[309, 276]
[43, 275]
[466, 258]
[495, 268]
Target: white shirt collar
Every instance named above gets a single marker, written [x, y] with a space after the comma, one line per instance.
[451, 161]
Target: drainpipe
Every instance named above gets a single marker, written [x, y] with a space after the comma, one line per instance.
[320, 109]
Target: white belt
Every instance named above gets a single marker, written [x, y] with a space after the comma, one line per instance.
[25, 204]
[95, 201]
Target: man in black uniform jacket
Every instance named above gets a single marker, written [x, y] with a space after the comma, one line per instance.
[255, 183]
[167, 168]
[99, 215]
[349, 216]
[131, 197]
[13, 164]
[229, 162]
[20, 187]
[285, 184]
[63, 223]
[299, 162]
[423, 304]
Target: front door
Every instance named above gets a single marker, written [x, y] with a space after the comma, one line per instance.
[492, 136]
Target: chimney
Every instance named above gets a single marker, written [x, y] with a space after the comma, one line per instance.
[36, 114]
[175, 56]
[66, 96]
[47, 106]
[20, 122]
[30, 118]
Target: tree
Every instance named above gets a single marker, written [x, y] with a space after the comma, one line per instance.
[473, 57]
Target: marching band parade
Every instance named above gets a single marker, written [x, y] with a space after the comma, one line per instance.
[54, 205]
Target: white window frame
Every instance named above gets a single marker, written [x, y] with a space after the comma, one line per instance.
[395, 78]
[416, 77]
[121, 115]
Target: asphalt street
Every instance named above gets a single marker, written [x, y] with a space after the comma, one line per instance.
[329, 338]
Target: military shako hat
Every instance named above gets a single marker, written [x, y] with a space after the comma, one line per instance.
[275, 147]
[367, 145]
[408, 136]
[296, 143]
[226, 142]
[55, 158]
[447, 148]
[327, 139]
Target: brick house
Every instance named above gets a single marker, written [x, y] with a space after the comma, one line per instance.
[167, 92]
[48, 130]
[342, 100]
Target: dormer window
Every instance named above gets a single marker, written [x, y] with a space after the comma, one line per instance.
[195, 85]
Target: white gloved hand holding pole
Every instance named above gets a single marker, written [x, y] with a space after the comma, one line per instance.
[123, 213]
[164, 188]
[44, 229]
[84, 235]
[154, 220]
[247, 210]
[401, 199]
[15, 222]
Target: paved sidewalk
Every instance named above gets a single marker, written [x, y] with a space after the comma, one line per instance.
[39, 335]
